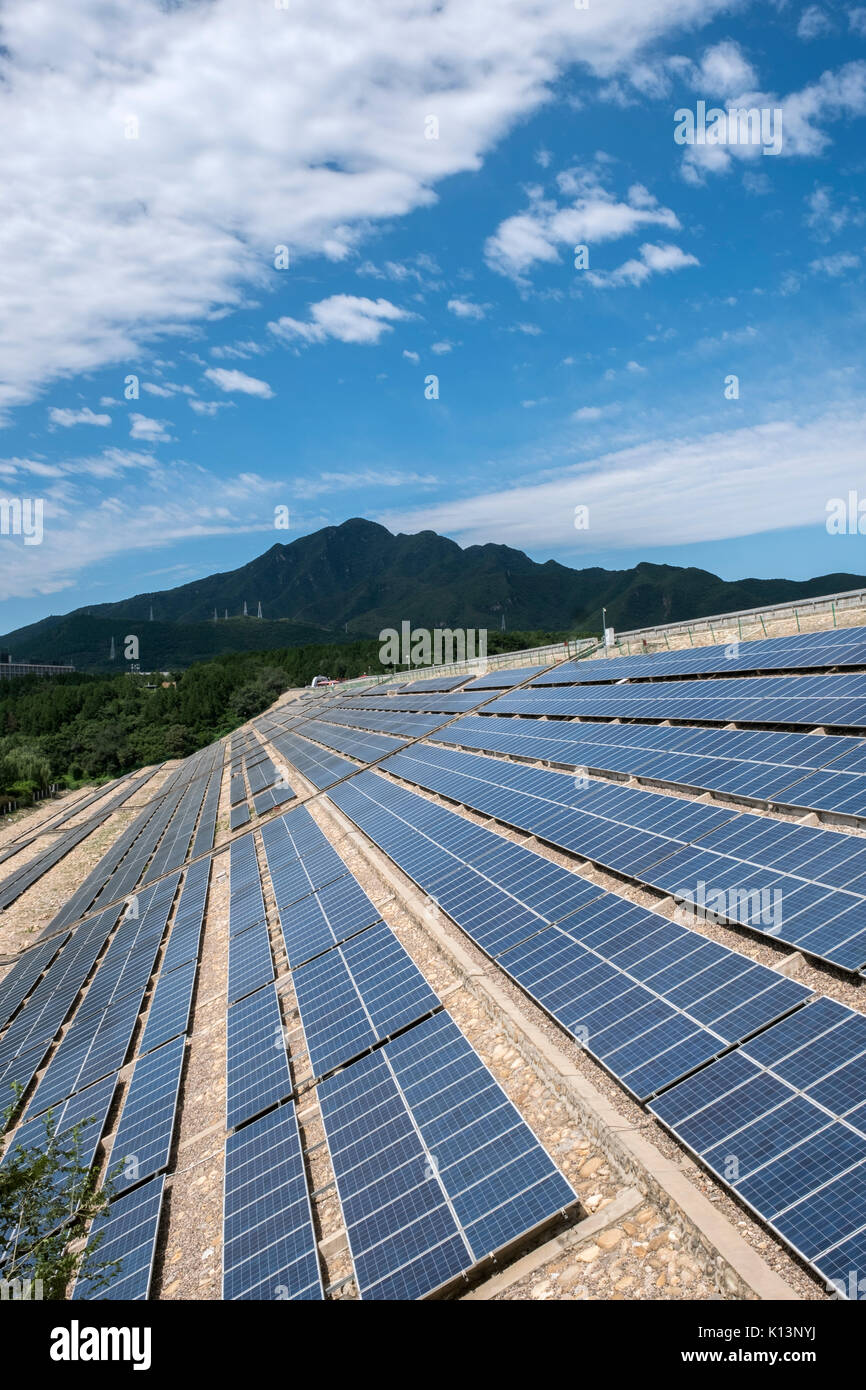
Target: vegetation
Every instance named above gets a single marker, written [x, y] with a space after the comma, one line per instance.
[47, 1195]
[75, 728]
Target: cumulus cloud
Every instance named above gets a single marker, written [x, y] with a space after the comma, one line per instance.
[346, 317]
[467, 309]
[85, 416]
[154, 431]
[651, 260]
[593, 216]
[228, 379]
[174, 221]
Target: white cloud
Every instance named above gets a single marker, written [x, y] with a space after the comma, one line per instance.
[441, 347]
[724, 70]
[85, 416]
[836, 95]
[166, 389]
[346, 317]
[827, 217]
[411, 356]
[588, 413]
[228, 379]
[365, 477]
[154, 431]
[210, 407]
[467, 309]
[180, 223]
[835, 265]
[652, 259]
[594, 216]
[813, 23]
[738, 482]
[857, 20]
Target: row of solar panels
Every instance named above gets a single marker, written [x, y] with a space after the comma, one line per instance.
[267, 784]
[762, 1082]
[825, 773]
[806, 651]
[794, 883]
[434, 1167]
[80, 1081]
[192, 792]
[21, 879]
[807, 701]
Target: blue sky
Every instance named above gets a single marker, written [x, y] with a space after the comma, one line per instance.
[157, 156]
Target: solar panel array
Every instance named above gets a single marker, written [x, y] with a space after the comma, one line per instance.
[21, 879]
[80, 1081]
[837, 647]
[782, 1121]
[836, 702]
[799, 770]
[361, 999]
[646, 997]
[795, 883]
[191, 794]
[435, 1168]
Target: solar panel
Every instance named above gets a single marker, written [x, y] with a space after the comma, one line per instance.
[143, 1139]
[782, 1122]
[128, 1228]
[20, 980]
[91, 1048]
[782, 879]
[89, 1109]
[250, 962]
[269, 1242]
[435, 1168]
[323, 919]
[788, 769]
[257, 1067]
[838, 647]
[357, 994]
[169, 1009]
[831, 701]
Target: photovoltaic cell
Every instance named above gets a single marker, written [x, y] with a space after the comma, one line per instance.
[128, 1228]
[358, 993]
[143, 1139]
[257, 1067]
[435, 1169]
[269, 1242]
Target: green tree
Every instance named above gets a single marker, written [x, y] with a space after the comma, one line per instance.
[47, 1196]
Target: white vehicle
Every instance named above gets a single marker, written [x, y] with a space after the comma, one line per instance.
[318, 681]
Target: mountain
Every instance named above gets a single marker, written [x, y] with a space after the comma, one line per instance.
[353, 580]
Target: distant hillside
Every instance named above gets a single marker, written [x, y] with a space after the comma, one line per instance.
[361, 576]
[85, 641]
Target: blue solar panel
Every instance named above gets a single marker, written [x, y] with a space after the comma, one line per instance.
[269, 1242]
[92, 1047]
[358, 993]
[250, 962]
[435, 1169]
[88, 1108]
[20, 980]
[143, 1139]
[315, 923]
[781, 1121]
[797, 884]
[170, 1006]
[257, 1067]
[128, 1228]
